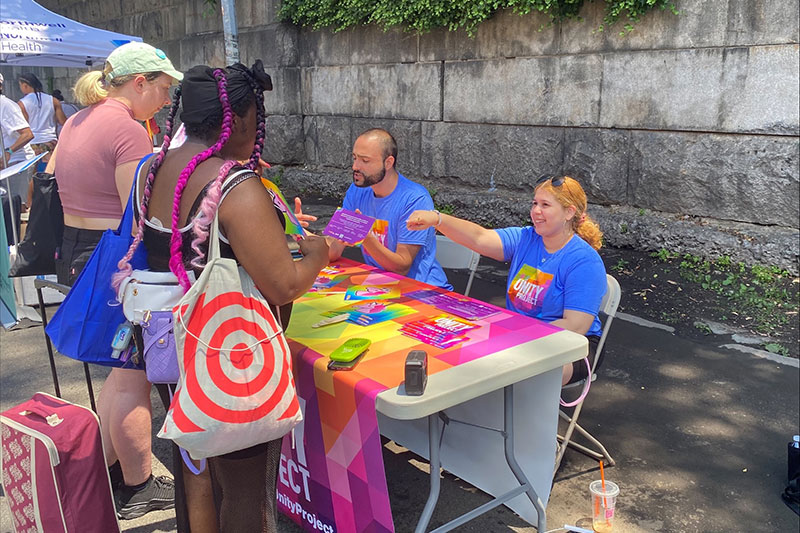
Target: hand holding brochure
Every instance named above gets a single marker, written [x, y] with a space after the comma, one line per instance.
[349, 227]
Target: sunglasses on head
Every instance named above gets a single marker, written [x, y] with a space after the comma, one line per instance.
[555, 181]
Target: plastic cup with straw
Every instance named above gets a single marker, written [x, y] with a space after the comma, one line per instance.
[607, 493]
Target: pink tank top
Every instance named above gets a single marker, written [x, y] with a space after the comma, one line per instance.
[93, 143]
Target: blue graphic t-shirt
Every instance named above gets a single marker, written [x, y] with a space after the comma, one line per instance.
[406, 198]
[543, 285]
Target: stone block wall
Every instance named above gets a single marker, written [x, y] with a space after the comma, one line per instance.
[685, 133]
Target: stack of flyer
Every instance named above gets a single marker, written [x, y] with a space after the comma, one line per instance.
[442, 331]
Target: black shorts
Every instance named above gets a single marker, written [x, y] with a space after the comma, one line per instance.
[579, 370]
[76, 249]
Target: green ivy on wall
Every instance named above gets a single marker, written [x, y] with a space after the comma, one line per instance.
[424, 15]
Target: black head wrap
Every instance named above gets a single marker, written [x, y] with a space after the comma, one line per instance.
[200, 93]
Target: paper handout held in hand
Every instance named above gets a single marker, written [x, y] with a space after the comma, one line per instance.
[349, 227]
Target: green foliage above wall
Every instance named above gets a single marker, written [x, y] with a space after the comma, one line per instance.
[424, 15]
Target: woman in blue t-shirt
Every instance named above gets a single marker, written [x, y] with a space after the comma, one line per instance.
[553, 276]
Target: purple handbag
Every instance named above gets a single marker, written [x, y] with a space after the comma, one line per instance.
[160, 357]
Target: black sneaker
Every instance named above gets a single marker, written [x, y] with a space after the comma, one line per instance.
[158, 494]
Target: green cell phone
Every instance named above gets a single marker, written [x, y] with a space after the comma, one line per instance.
[350, 349]
[339, 365]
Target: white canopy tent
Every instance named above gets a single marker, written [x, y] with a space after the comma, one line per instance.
[31, 35]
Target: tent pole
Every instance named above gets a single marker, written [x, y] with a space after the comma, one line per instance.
[230, 31]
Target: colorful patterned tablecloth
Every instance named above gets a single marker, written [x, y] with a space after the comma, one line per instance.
[331, 476]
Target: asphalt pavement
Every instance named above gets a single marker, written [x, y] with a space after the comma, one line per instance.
[699, 433]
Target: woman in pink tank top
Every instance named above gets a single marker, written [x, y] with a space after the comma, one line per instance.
[95, 162]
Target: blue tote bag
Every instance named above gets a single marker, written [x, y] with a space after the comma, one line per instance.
[87, 319]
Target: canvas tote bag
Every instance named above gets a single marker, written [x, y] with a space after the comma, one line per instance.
[236, 386]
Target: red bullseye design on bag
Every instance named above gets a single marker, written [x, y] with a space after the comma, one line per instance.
[236, 386]
[228, 308]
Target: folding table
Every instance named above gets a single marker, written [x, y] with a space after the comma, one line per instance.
[496, 395]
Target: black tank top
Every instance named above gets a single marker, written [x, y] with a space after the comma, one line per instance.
[157, 240]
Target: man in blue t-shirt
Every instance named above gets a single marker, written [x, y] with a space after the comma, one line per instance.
[379, 191]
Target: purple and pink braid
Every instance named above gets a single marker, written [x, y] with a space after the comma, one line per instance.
[209, 205]
[206, 213]
[124, 264]
[176, 254]
[253, 164]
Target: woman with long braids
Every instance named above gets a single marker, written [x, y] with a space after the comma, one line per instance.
[223, 113]
[95, 163]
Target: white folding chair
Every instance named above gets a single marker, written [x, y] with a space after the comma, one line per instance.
[450, 254]
[608, 307]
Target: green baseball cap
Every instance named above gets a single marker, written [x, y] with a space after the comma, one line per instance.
[138, 58]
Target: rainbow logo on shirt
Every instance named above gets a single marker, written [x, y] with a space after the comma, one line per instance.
[528, 288]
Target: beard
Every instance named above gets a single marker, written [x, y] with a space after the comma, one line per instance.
[369, 179]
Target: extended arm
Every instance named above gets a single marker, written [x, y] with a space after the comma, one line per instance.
[484, 241]
[253, 229]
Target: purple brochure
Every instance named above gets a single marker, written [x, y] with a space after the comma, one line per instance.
[465, 308]
[348, 226]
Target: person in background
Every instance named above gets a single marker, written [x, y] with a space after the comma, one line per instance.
[96, 159]
[379, 191]
[17, 134]
[69, 109]
[554, 276]
[223, 113]
[42, 111]
[17, 137]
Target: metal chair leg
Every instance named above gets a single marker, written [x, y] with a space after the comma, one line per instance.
[588, 436]
[567, 435]
[596, 455]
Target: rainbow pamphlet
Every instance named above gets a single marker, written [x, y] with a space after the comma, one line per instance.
[372, 292]
[327, 279]
[326, 283]
[442, 331]
[293, 226]
[463, 307]
[368, 312]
